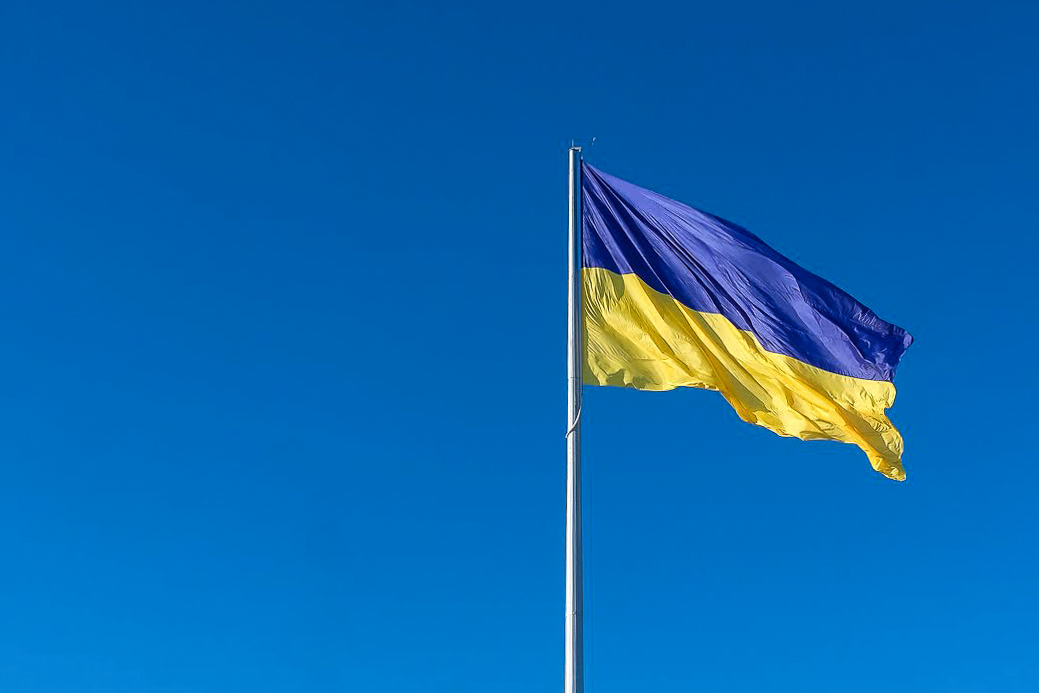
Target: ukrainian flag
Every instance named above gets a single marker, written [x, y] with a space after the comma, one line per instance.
[675, 297]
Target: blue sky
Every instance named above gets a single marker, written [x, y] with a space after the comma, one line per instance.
[282, 305]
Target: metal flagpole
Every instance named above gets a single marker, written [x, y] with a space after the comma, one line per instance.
[574, 650]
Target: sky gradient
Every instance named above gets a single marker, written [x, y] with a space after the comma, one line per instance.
[282, 367]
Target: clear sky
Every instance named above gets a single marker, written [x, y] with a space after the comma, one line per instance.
[282, 334]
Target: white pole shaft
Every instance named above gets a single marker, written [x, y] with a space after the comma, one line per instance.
[574, 667]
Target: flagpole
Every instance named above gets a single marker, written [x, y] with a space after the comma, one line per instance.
[574, 630]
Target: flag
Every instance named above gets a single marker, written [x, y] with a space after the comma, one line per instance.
[675, 297]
